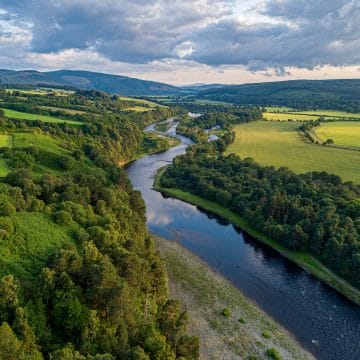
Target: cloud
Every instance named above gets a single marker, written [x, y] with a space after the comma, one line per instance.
[265, 35]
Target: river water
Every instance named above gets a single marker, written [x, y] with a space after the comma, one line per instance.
[323, 321]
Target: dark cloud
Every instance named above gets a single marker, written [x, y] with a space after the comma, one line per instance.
[300, 33]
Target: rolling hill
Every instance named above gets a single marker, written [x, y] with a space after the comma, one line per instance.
[114, 84]
[319, 94]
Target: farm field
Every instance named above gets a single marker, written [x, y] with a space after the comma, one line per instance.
[31, 117]
[5, 141]
[280, 144]
[275, 116]
[285, 112]
[140, 101]
[42, 91]
[345, 133]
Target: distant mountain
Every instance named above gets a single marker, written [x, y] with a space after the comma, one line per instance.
[200, 87]
[114, 84]
[325, 94]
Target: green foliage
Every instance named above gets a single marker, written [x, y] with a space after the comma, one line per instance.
[279, 204]
[273, 354]
[81, 277]
[226, 312]
[266, 334]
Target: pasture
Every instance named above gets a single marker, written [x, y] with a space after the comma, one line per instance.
[346, 133]
[5, 141]
[280, 144]
[32, 117]
[281, 116]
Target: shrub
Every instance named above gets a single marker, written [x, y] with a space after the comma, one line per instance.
[273, 354]
[242, 320]
[226, 312]
[62, 217]
[266, 334]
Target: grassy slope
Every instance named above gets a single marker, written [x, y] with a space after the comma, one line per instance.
[205, 293]
[5, 141]
[345, 133]
[36, 237]
[304, 260]
[4, 170]
[279, 144]
[26, 116]
[44, 142]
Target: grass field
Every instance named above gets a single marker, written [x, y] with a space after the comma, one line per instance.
[138, 108]
[288, 116]
[5, 141]
[285, 113]
[346, 133]
[4, 170]
[205, 293]
[31, 117]
[42, 91]
[68, 111]
[44, 142]
[36, 237]
[280, 144]
[140, 101]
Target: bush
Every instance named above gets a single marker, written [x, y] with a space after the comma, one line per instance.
[242, 320]
[226, 312]
[273, 354]
[266, 334]
[6, 227]
[62, 217]
[66, 162]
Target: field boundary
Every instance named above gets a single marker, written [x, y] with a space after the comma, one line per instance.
[306, 261]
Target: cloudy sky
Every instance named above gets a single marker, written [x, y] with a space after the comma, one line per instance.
[185, 41]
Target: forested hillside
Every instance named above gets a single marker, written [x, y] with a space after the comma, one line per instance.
[300, 94]
[115, 84]
[80, 278]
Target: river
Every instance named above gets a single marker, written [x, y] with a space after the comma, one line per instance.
[323, 321]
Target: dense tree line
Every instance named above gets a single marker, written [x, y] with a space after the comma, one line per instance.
[314, 212]
[104, 294]
[194, 128]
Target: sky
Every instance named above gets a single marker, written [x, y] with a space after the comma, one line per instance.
[185, 41]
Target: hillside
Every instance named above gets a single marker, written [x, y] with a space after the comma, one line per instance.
[301, 94]
[114, 84]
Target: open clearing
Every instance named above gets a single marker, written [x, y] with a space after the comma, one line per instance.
[4, 170]
[32, 117]
[204, 294]
[5, 141]
[140, 101]
[345, 133]
[280, 144]
[41, 141]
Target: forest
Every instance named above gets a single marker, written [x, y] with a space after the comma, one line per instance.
[313, 212]
[299, 94]
[80, 277]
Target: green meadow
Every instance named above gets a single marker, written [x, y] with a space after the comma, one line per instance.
[346, 133]
[4, 170]
[280, 144]
[5, 141]
[26, 258]
[282, 116]
[32, 117]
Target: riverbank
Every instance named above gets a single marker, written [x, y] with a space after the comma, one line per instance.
[304, 260]
[247, 333]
